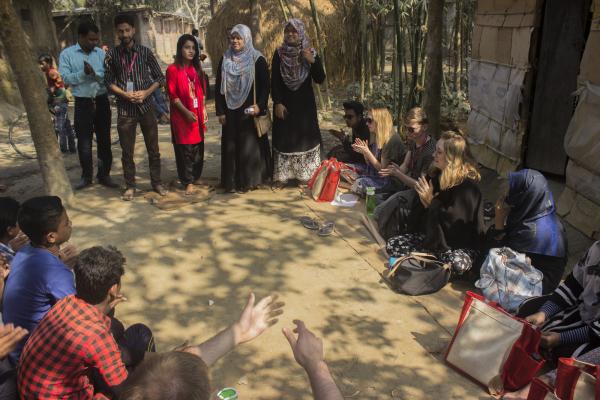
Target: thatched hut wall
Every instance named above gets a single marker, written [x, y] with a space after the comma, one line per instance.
[337, 36]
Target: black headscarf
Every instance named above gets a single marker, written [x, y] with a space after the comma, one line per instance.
[532, 225]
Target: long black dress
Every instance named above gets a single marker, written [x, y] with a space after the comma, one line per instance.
[297, 138]
[245, 158]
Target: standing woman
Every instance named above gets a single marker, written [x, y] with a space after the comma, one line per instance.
[296, 134]
[245, 158]
[186, 87]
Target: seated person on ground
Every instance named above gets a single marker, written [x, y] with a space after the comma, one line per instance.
[38, 277]
[77, 349]
[181, 375]
[446, 218]
[526, 221]
[391, 214]
[77, 333]
[11, 237]
[9, 338]
[570, 317]
[387, 148]
[354, 118]
[591, 357]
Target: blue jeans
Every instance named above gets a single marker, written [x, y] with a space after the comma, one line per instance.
[63, 128]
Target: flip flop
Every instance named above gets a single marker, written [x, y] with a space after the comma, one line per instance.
[309, 223]
[326, 229]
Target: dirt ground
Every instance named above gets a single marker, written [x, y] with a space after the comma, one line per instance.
[189, 271]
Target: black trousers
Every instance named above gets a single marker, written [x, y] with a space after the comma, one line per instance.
[190, 161]
[133, 343]
[93, 115]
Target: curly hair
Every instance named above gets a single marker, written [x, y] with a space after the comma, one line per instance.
[460, 163]
[96, 271]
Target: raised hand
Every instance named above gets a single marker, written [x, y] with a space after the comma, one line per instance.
[19, 241]
[4, 267]
[391, 170]
[120, 298]
[307, 54]
[360, 146]
[425, 191]
[68, 254]
[306, 346]
[9, 338]
[255, 319]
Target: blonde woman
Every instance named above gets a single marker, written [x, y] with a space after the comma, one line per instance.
[387, 148]
[447, 218]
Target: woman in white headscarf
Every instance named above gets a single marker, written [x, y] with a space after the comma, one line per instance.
[245, 158]
[296, 134]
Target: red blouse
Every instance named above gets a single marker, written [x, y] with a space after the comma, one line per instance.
[180, 83]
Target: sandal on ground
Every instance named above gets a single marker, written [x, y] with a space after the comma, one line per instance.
[128, 194]
[326, 229]
[309, 223]
[160, 189]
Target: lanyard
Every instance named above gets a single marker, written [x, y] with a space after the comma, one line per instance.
[191, 84]
[128, 70]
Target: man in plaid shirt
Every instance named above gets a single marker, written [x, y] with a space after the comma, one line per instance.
[72, 353]
[74, 340]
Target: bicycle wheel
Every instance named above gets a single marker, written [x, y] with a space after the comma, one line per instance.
[19, 137]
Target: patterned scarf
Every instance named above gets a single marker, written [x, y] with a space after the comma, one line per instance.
[294, 68]
[238, 69]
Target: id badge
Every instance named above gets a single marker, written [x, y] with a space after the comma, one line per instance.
[129, 88]
[195, 103]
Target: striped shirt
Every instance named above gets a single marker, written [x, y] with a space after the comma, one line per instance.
[137, 65]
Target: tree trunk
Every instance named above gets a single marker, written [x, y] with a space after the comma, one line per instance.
[31, 84]
[382, 31]
[457, 47]
[255, 14]
[322, 48]
[363, 47]
[213, 7]
[398, 60]
[434, 72]
[284, 10]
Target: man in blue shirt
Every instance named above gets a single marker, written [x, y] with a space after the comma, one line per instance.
[82, 68]
[38, 277]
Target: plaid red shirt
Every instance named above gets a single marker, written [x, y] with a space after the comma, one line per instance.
[58, 358]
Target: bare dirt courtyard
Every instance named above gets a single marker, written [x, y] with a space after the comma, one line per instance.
[190, 270]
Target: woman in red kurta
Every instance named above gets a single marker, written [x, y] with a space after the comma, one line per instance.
[186, 88]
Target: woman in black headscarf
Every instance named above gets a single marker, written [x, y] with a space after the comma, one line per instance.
[526, 221]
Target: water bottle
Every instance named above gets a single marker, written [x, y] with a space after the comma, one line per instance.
[370, 202]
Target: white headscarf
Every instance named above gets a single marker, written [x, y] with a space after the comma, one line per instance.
[238, 69]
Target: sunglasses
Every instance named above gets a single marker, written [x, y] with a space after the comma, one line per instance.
[369, 120]
[348, 116]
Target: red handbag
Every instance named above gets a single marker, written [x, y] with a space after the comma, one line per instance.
[540, 391]
[524, 360]
[325, 180]
[493, 347]
[576, 380]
